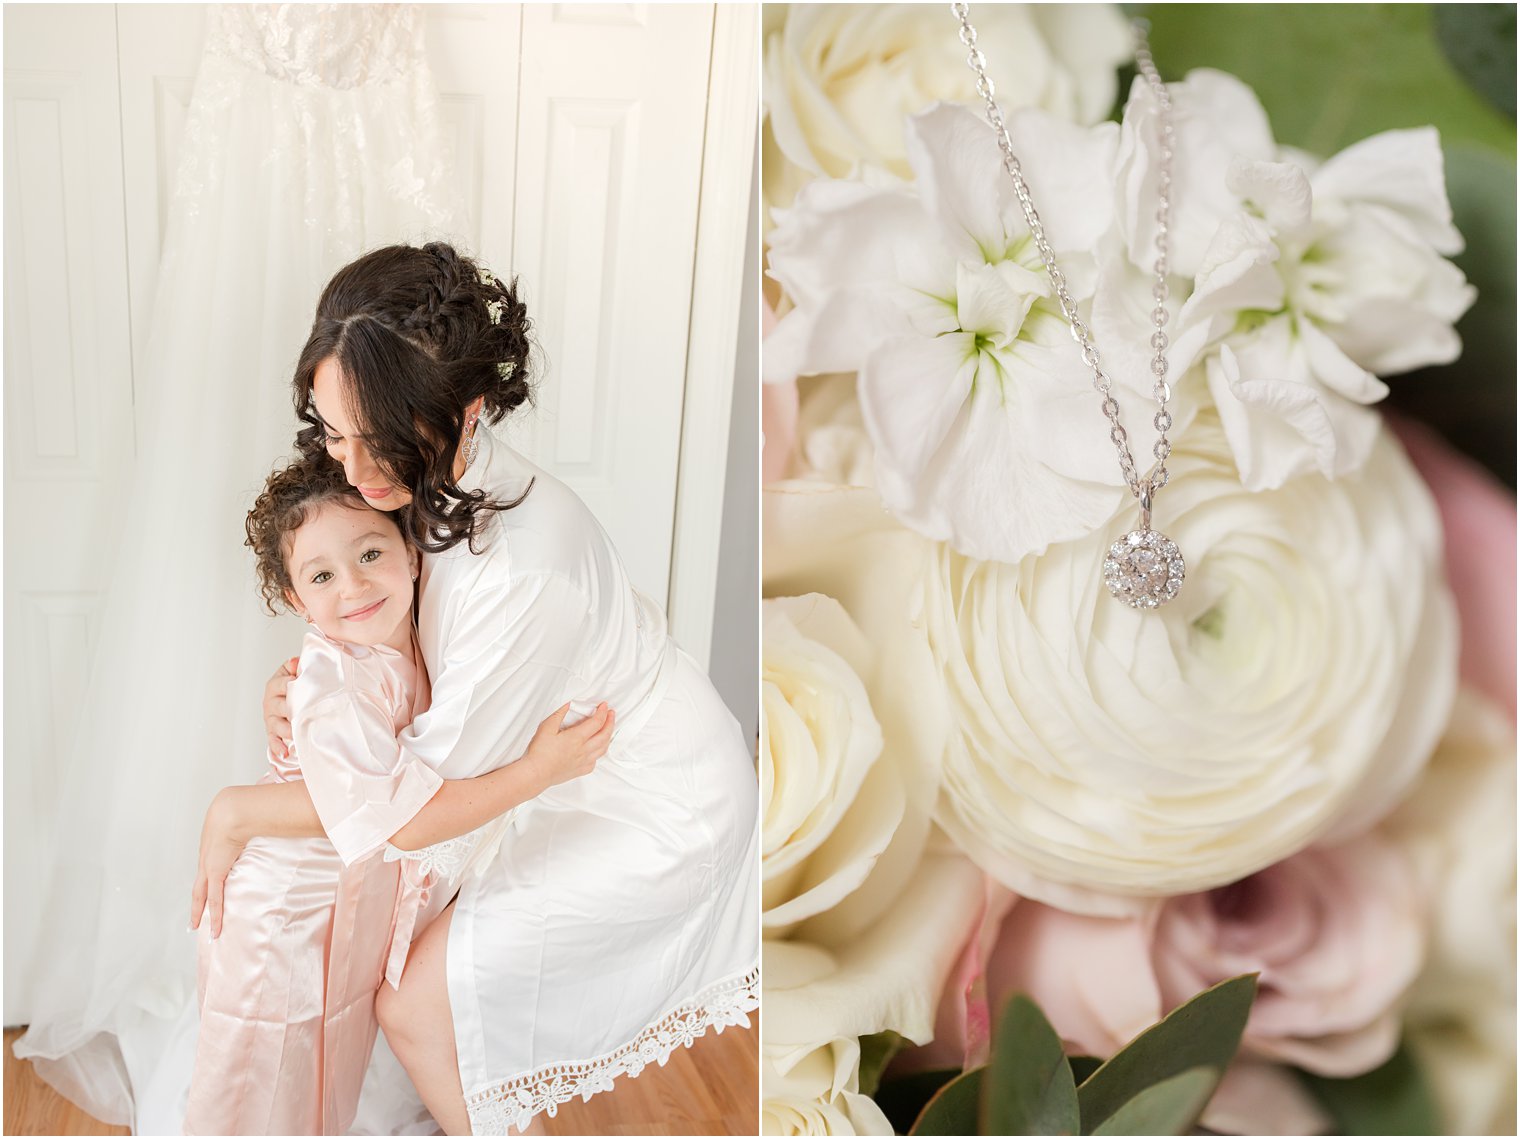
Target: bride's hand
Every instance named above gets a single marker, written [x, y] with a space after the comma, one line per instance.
[220, 847]
[276, 711]
[560, 754]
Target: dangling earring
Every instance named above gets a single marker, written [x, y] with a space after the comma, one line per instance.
[471, 444]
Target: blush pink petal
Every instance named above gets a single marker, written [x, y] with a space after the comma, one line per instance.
[778, 414]
[1478, 514]
[1091, 976]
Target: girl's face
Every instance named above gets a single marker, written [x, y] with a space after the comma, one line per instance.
[346, 444]
[354, 576]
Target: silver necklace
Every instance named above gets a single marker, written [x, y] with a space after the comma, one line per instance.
[1144, 569]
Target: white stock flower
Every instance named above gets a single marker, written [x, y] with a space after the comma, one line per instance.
[841, 78]
[987, 432]
[1104, 757]
[1308, 282]
[1459, 827]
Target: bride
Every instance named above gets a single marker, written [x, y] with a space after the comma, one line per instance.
[613, 918]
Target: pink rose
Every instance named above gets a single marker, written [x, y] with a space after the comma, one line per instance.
[1338, 936]
[1478, 513]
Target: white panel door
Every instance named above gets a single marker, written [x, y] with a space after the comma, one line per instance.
[68, 412]
[610, 132]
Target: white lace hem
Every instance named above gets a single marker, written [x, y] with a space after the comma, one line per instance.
[515, 1102]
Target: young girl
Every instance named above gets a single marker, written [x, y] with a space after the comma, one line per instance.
[308, 928]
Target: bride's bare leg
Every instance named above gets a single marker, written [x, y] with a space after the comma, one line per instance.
[419, 1026]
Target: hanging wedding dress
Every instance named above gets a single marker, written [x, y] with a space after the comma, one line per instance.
[311, 136]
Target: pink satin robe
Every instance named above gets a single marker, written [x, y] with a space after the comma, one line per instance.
[310, 925]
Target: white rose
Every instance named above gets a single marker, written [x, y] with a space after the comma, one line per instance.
[1104, 756]
[823, 828]
[897, 912]
[841, 78]
[820, 1093]
[838, 542]
[820, 1002]
[1459, 826]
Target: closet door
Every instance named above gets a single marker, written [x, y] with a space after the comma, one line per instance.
[68, 413]
[611, 113]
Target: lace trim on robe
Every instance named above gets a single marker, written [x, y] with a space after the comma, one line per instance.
[515, 1102]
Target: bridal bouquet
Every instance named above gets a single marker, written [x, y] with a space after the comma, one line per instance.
[1035, 861]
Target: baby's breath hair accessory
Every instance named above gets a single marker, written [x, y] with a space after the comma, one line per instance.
[505, 369]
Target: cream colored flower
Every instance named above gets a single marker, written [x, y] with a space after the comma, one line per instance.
[1292, 692]
[863, 917]
[819, 747]
[820, 1001]
[841, 78]
[985, 428]
[1459, 827]
[1310, 280]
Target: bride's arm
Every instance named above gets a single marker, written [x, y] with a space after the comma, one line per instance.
[555, 755]
[458, 806]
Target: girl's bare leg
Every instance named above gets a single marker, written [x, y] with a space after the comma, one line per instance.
[419, 1026]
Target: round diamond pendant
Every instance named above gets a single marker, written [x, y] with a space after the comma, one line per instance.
[1144, 569]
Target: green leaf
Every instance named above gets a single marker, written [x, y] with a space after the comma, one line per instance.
[876, 1052]
[1168, 1108]
[953, 1109]
[1479, 40]
[1331, 74]
[1205, 1032]
[1481, 419]
[902, 1099]
[1392, 1100]
[1032, 1091]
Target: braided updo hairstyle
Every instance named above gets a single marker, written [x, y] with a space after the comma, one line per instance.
[418, 334]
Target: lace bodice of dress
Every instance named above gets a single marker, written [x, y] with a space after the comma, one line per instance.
[319, 45]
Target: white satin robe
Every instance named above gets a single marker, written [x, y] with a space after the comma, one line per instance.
[615, 917]
[310, 925]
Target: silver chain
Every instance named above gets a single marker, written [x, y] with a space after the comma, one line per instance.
[1143, 490]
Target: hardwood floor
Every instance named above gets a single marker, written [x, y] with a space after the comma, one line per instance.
[710, 1088]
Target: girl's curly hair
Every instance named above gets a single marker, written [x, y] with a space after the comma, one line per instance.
[419, 334]
[290, 496]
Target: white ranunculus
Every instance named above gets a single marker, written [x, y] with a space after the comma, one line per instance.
[1459, 826]
[828, 808]
[888, 977]
[841, 78]
[986, 430]
[1310, 282]
[1104, 756]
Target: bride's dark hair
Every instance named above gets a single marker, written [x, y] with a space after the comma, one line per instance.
[418, 334]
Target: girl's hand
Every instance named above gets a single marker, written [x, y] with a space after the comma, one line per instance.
[276, 710]
[560, 754]
[220, 847]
